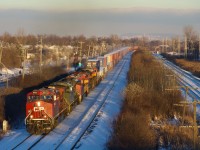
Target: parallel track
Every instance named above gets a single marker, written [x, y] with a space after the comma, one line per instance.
[27, 139]
[43, 136]
[96, 112]
[185, 79]
[24, 142]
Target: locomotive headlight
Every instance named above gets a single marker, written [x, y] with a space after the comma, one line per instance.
[31, 116]
[45, 116]
[38, 103]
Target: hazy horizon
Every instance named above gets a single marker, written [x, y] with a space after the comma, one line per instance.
[101, 18]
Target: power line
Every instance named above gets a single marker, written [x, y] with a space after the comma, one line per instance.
[1, 51]
[195, 127]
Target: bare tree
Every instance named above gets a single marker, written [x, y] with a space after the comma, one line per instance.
[191, 37]
[21, 36]
[190, 33]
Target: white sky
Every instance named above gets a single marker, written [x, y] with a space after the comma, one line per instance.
[97, 4]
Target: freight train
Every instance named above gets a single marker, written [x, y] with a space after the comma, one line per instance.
[47, 106]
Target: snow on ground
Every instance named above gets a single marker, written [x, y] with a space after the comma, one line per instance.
[11, 139]
[52, 140]
[49, 142]
[88, 118]
[186, 79]
[100, 130]
[103, 122]
[66, 126]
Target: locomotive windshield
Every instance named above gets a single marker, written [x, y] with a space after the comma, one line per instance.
[93, 64]
[40, 97]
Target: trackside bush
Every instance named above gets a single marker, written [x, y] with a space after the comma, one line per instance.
[148, 106]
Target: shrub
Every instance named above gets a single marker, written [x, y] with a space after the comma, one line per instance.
[146, 97]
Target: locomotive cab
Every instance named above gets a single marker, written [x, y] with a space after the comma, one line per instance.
[39, 110]
[93, 64]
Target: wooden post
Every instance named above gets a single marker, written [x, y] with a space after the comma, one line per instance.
[195, 127]
[1, 49]
[5, 126]
[81, 48]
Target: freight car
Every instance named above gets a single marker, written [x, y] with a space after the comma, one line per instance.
[47, 106]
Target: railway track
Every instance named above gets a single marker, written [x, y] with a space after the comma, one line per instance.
[35, 139]
[32, 141]
[72, 139]
[186, 79]
[29, 142]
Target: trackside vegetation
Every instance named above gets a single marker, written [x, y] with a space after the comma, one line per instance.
[149, 119]
[187, 64]
[13, 98]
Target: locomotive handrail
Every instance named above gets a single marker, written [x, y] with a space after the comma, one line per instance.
[60, 113]
[28, 116]
[48, 116]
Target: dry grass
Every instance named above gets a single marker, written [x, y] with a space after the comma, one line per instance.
[132, 132]
[191, 66]
[145, 98]
[175, 138]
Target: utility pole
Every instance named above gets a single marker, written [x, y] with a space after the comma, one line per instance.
[173, 49]
[1, 50]
[24, 56]
[163, 43]
[76, 49]
[185, 47]
[195, 126]
[101, 50]
[92, 50]
[88, 51]
[187, 88]
[41, 47]
[81, 48]
[199, 47]
[179, 46]
[102, 47]
[68, 60]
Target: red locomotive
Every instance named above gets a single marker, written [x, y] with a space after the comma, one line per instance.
[45, 107]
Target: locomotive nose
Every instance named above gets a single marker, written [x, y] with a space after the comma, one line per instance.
[38, 110]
